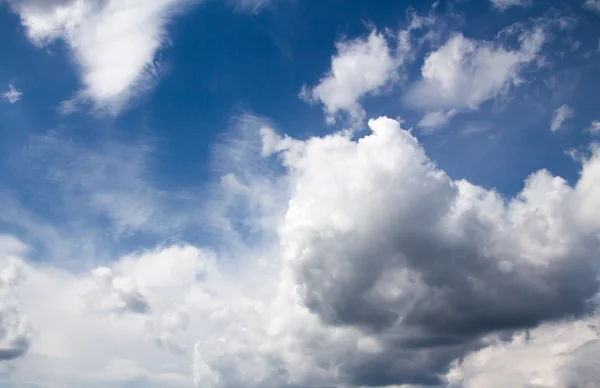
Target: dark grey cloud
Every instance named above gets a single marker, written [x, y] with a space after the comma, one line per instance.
[15, 332]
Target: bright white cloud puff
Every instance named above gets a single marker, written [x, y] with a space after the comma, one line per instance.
[464, 73]
[360, 67]
[114, 43]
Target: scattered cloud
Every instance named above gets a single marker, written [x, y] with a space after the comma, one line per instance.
[434, 121]
[361, 67]
[561, 114]
[464, 73]
[364, 67]
[503, 5]
[12, 95]
[407, 272]
[474, 127]
[592, 5]
[594, 128]
[107, 178]
[114, 42]
[251, 5]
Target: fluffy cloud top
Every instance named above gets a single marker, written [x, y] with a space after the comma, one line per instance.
[361, 66]
[113, 42]
[364, 67]
[383, 271]
[464, 73]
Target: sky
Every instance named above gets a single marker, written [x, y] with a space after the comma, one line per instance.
[295, 194]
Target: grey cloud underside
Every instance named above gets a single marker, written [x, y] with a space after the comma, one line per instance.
[582, 370]
[15, 335]
[17, 349]
[429, 266]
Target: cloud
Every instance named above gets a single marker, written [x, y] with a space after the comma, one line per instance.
[132, 309]
[505, 4]
[251, 5]
[592, 5]
[15, 332]
[554, 355]
[107, 178]
[12, 95]
[594, 128]
[113, 42]
[464, 73]
[378, 270]
[413, 273]
[434, 121]
[361, 67]
[109, 294]
[561, 114]
[365, 67]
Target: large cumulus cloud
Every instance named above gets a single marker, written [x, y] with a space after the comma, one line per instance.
[382, 270]
[382, 241]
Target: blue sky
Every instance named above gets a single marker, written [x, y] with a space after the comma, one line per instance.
[233, 155]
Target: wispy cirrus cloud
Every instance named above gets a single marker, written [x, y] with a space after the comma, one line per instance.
[594, 127]
[592, 5]
[561, 114]
[503, 5]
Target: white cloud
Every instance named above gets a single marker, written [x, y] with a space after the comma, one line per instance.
[361, 67]
[464, 73]
[109, 293]
[365, 67]
[12, 95]
[556, 355]
[251, 5]
[436, 120]
[106, 340]
[594, 128]
[561, 114]
[505, 4]
[113, 42]
[592, 5]
[380, 270]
